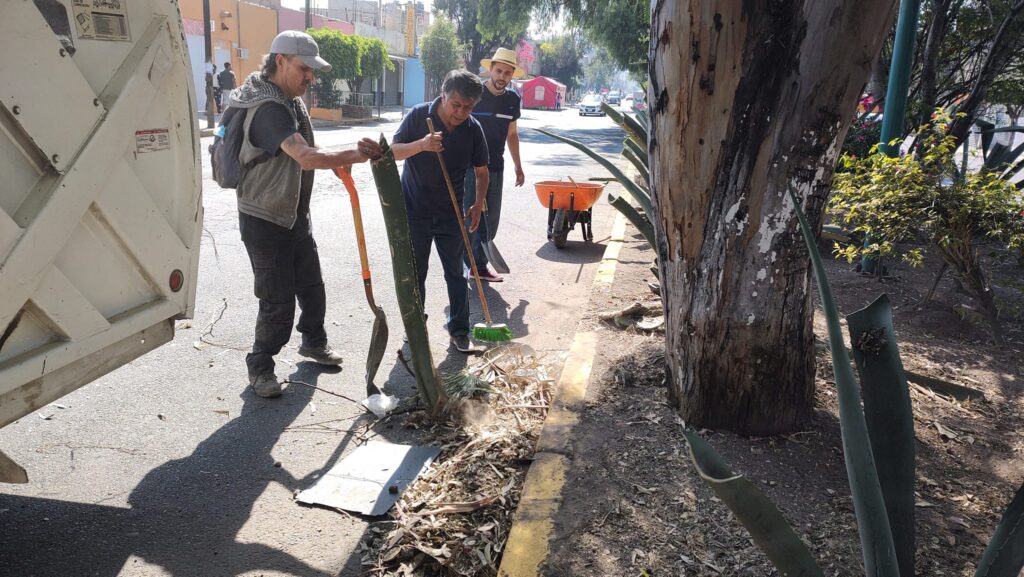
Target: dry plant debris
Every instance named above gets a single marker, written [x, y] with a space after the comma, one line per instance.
[454, 520]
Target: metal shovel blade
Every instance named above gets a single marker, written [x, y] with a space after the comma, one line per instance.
[494, 257]
[378, 344]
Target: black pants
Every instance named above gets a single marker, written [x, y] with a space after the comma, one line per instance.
[283, 272]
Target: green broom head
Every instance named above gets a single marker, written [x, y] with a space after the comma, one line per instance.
[495, 333]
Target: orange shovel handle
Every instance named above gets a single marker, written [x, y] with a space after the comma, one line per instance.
[357, 218]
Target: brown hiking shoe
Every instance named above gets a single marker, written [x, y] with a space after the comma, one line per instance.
[324, 355]
[266, 385]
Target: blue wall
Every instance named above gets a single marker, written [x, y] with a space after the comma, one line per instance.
[415, 82]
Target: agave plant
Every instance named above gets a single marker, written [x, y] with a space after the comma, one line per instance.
[634, 149]
[878, 447]
[389, 187]
[1003, 159]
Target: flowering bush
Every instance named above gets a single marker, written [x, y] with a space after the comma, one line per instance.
[863, 136]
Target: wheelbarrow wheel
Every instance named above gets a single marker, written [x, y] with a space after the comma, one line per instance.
[559, 229]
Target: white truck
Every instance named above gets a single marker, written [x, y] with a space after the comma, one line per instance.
[100, 199]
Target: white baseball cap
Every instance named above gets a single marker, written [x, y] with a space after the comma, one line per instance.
[293, 42]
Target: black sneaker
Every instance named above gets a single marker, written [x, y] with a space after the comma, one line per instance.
[464, 345]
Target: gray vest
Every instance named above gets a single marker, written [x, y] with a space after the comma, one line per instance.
[269, 186]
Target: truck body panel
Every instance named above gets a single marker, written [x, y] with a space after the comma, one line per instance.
[101, 202]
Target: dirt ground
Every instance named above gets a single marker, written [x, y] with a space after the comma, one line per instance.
[635, 506]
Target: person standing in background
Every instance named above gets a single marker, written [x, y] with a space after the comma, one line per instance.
[497, 112]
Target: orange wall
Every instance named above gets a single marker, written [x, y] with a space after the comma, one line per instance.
[249, 26]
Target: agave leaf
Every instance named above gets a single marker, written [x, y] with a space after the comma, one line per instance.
[889, 418]
[644, 120]
[642, 198]
[986, 135]
[639, 151]
[639, 165]
[637, 130]
[769, 529]
[1004, 556]
[868, 504]
[1002, 156]
[642, 224]
[410, 304]
[632, 127]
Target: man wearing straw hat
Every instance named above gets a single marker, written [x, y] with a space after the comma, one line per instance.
[497, 112]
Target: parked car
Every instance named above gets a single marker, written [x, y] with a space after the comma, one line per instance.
[591, 104]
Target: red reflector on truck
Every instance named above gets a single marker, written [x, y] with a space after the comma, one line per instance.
[177, 279]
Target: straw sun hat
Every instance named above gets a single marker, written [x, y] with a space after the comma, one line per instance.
[505, 56]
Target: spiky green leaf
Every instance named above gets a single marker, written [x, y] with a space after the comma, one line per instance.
[627, 210]
[640, 167]
[769, 529]
[868, 504]
[1004, 556]
[889, 418]
[392, 202]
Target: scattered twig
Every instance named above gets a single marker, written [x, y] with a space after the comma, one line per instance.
[208, 331]
[322, 390]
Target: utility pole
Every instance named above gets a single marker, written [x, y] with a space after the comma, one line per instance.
[309, 14]
[896, 95]
[208, 41]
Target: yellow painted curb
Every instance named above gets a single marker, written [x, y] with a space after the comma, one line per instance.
[528, 540]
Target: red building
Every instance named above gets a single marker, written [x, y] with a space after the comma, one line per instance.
[542, 92]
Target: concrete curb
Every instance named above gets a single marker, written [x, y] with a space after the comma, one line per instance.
[528, 540]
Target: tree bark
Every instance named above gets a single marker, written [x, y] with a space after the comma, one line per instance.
[748, 100]
[930, 59]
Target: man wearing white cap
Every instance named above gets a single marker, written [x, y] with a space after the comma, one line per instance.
[497, 112]
[278, 157]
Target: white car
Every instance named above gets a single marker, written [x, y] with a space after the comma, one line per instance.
[591, 104]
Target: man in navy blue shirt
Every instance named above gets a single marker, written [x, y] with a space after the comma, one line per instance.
[432, 218]
[497, 112]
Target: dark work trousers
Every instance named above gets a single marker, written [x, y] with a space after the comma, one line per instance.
[284, 271]
[445, 233]
[488, 226]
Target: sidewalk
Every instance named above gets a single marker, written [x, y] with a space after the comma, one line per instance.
[578, 514]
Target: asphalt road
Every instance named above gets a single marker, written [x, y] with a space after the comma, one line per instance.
[170, 466]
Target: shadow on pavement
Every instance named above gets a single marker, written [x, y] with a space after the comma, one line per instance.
[184, 515]
[575, 251]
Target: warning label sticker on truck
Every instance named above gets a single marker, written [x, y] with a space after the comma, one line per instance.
[101, 19]
[152, 140]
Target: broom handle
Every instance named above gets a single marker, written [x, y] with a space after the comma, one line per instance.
[462, 228]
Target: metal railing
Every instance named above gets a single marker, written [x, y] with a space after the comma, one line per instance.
[354, 105]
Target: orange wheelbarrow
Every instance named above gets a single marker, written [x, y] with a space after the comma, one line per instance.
[568, 204]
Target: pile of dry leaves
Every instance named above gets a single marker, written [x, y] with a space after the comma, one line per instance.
[454, 520]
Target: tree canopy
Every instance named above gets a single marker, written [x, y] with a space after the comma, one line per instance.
[441, 49]
[561, 58]
[482, 26]
[352, 57]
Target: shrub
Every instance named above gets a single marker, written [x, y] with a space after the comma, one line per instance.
[923, 197]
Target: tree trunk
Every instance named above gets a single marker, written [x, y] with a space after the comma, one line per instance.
[930, 59]
[748, 100]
